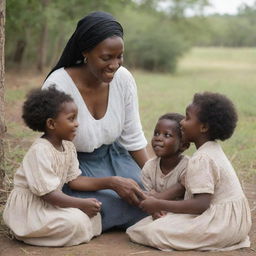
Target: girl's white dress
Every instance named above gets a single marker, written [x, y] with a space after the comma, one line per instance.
[223, 226]
[33, 220]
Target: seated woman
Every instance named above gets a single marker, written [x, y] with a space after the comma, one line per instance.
[110, 142]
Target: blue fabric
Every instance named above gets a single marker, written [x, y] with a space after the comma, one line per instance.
[110, 160]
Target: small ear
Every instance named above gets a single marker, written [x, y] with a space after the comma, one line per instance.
[204, 128]
[50, 123]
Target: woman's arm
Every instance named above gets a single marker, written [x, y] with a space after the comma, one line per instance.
[126, 188]
[196, 205]
[140, 156]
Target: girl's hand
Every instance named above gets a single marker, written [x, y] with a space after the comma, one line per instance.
[157, 215]
[149, 205]
[150, 193]
[90, 206]
[128, 189]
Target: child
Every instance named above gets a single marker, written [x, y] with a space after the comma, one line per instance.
[215, 214]
[37, 211]
[162, 174]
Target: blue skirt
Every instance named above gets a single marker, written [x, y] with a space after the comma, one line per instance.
[110, 160]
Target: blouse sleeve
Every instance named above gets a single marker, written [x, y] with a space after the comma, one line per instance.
[202, 175]
[146, 176]
[74, 170]
[49, 83]
[39, 172]
[132, 136]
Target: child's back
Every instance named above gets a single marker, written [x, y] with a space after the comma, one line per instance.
[229, 212]
[210, 157]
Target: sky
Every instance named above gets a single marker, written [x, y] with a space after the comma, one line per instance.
[226, 6]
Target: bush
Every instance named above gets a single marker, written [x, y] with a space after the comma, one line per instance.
[150, 43]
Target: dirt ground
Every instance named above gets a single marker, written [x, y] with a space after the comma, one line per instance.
[114, 243]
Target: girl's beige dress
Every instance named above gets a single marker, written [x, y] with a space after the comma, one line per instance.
[153, 178]
[33, 220]
[223, 226]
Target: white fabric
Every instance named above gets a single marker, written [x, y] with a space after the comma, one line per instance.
[33, 220]
[153, 178]
[223, 226]
[121, 120]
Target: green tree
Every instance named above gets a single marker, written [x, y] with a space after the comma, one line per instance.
[37, 30]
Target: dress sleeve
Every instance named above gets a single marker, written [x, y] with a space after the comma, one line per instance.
[132, 136]
[39, 172]
[74, 170]
[183, 170]
[146, 176]
[202, 175]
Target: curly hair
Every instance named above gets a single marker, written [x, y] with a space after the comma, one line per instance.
[41, 105]
[218, 112]
[176, 117]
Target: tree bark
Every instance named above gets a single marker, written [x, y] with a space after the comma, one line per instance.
[43, 41]
[2, 122]
[19, 51]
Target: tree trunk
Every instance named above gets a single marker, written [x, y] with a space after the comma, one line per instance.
[43, 41]
[19, 51]
[2, 123]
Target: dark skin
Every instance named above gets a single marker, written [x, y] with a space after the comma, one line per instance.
[168, 145]
[66, 121]
[197, 205]
[92, 80]
[193, 131]
[63, 127]
[175, 191]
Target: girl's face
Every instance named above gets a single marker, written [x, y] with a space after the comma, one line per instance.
[105, 59]
[166, 141]
[191, 127]
[65, 124]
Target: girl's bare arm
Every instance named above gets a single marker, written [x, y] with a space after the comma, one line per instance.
[90, 206]
[126, 188]
[196, 205]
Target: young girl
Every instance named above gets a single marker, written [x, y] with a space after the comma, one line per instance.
[37, 211]
[162, 175]
[215, 214]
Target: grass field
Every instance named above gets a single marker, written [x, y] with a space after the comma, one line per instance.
[228, 71]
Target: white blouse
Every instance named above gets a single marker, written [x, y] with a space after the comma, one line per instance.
[121, 121]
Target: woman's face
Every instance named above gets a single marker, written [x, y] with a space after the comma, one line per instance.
[105, 59]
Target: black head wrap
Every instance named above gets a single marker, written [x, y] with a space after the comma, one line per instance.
[90, 31]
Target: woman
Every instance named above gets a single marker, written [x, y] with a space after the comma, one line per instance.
[90, 71]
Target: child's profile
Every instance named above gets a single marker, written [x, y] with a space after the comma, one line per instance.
[37, 211]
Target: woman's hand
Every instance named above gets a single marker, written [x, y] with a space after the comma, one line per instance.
[128, 189]
[90, 206]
